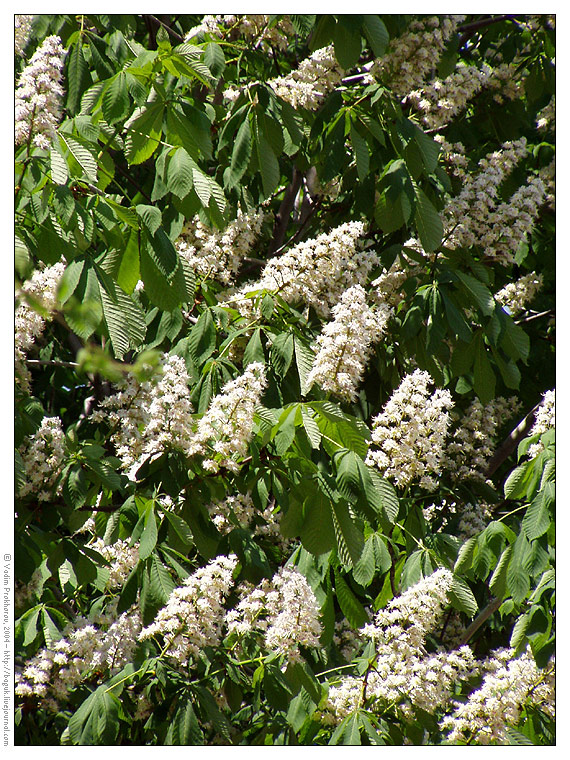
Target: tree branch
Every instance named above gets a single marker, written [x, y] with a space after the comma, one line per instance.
[474, 26]
[493, 606]
[284, 214]
[511, 442]
[170, 31]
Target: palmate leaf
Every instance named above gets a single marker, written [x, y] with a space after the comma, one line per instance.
[184, 728]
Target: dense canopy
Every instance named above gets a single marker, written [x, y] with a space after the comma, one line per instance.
[284, 366]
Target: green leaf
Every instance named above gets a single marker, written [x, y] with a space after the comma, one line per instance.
[267, 162]
[151, 217]
[78, 78]
[364, 570]
[214, 58]
[96, 721]
[349, 538]
[392, 213]
[129, 272]
[428, 222]
[349, 604]
[518, 580]
[317, 533]
[456, 319]
[515, 484]
[461, 597]
[184, 729]
[304, 358]
[149, 534]
[281, 353]
[180, 526]
[465, 556]
[29, 622]
[189, 128]
[376, 34]
[483, 376]
[161, 584]
[123, 317]
[82, 155]
[311, 428]
[515, 341]
[202, 338]
[347, 44]
[537, 518]
[144, 132]
[180, 176]
[241, 153]
[254, 349]
[70, 280]
[480, 294]
[115, 102]
[498, 581]
[58, 166]
[360, 147]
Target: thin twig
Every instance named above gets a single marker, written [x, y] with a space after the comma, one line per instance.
[474, 26]
[533, 316]
[51, 363]
[170, 31]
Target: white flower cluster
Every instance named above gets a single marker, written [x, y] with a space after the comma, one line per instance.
[88, 648]
[126, 412]
[43, 455]
[316, 271]
[311, 82]
[387, 287]
[257, 27]
[284, 609]
[514, 219]
[347, 640]
[515, 295]
[474, 217]
[240, 511]
[410, 433]
[22, 25]
[219, 255]
[474, 518]
[345, 344]
[402, 672]
[170, 411]
[412, 57]
[441, 101]
[545, 419]
[226, 428]
[473, 441]
[546, 118]
[193, 616]
[499, 701]
[122, 558]
[28, 323]
[39, 93]
[150, 418]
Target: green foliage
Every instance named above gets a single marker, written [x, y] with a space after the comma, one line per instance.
[148, 143]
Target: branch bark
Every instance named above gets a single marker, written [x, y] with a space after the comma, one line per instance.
[283, 216]
[493, 606]
[511, 442]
